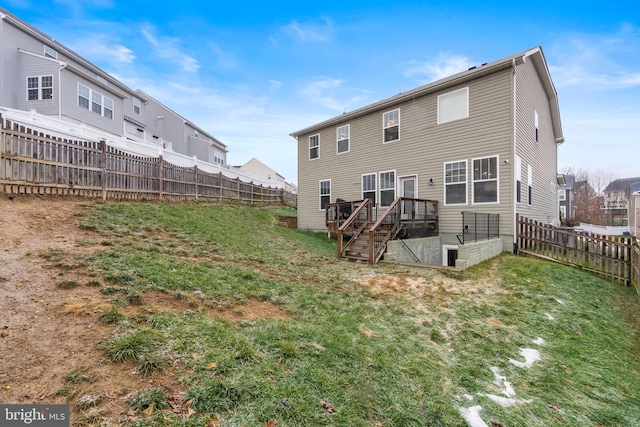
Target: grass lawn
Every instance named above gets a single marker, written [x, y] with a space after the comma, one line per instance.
[516, 340]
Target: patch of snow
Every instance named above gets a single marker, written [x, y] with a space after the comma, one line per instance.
[539, 341]
[550, 317]
[530, 357]
[499, 379]
[502, 401]
[508, 390]
[465, 396]
[472, 416]
[560, 301]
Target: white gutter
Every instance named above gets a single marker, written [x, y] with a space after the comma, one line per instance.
[60, 90]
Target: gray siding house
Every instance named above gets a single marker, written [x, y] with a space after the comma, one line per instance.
[40, 74]
[484, 140]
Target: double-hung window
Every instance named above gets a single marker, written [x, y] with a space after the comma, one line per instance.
[39, 88]
[453, 105]
[485, 180]
[369, 187]
[325, 193]
[391, 126]
[562, 195]
[83, 96]
[529, 184]
[535, 118]
[136, 105]
[455, 183]
[342, 136]
[387, 188]
[108, 108]
[95, 101]
[314, 147]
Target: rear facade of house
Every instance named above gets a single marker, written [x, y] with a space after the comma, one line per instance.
[484, 140]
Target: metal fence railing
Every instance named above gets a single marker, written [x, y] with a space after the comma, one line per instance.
[479, 226]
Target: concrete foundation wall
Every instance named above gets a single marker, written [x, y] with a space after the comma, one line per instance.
[474, 253]
[427, 249]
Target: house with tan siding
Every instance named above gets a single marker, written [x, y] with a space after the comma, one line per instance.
[483, 141]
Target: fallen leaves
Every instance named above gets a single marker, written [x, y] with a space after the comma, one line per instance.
[328, 407]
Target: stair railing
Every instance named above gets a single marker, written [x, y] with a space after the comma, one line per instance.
[354, 226]
[385, 229]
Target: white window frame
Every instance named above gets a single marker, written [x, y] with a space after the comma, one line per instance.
[82, 95]
[369, 190]
[40, 88]
[107, 108]
[537, 129]
[529, 185]
[315, 147]
[381, 188]
[445, 99]
[49, 52]
[496, 179]
[518, 173]
[388, 122]
[96, 100]
[563, 211]
[340, 135]
[562, 195]
[136, 105]
[323, 194]
[448, 182]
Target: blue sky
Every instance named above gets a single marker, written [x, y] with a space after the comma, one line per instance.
[251, 73]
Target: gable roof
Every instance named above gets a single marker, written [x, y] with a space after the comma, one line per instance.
[534, 54]
[622, 184]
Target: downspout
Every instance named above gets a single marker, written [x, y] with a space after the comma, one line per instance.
[513, 157]
[64, 65]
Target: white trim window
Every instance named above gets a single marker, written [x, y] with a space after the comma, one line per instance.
[563, 211]
[453, 105]
[94, 101]
[83, 96]
[369, 187]
[39, 88]
[136, 105]
[325, 193]
[50, 52]
[535, 119]
[391, 126]
[455, 183]
[529, 185]
[518, 172]
[562, 195]
[387, 188]
[485, 180]
[314, 146]
[342, 138]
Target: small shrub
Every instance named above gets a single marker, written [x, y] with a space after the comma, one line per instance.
[67, 284]
[131, 346]
[111, 317]
[134, 298]
[94, 283]
[142, 399]
[150, 363]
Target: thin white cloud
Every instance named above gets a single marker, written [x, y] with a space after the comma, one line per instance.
[322, 92]
[310, 31]
[101, 46]
[166, 48]
[443, 66]
[604, 61]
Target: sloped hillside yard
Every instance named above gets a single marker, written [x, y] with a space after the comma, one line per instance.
[216, 315]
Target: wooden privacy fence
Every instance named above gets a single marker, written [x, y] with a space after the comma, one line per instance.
[34, 163]
[614, 257]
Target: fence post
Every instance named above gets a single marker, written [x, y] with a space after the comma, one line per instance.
[103, 167]
[195, 174]
[160, 175]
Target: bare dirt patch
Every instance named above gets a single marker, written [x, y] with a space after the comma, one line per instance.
[48, 332]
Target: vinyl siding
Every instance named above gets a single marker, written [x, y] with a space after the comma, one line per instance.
[422, 150]
[541, 155]
[31, 66]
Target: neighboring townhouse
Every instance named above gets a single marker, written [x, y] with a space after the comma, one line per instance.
[566, 197]
[255, 167]
[633, 195]
[616, 200]
[40, 74]
[481, 141]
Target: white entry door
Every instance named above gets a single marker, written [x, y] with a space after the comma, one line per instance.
[409, 189]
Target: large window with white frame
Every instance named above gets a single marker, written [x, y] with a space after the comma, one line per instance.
[325, 193]
[39, 88]
[369, 187]
[342, 137]
[387, 188]
[391, 125]
[455, 183]
[95, 101]
[314, 146]
[562, 195]
[485, 180]
[453, 105]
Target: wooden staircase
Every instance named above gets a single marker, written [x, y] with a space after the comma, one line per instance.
[358, 249]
